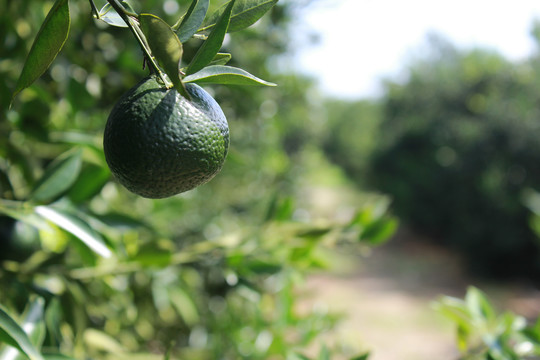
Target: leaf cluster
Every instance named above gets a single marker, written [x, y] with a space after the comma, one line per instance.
[481, 333]
[93, 263]
[161, 43]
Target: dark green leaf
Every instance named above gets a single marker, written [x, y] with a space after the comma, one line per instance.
[379, 231]
[192, 20]
[280, 208]
[76, 226]
[211, 46]
[53, 319]
[6, 189]
[245, 13]
[314, 233]
[111, 17]
[91, 179]
[536, 327]
[532, 336]
[49, 41]
[227, 75]
[13, 334]
[122, 221]
[165, 46]
[259, 266]
[58, 177]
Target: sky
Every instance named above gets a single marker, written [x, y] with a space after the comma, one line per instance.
[376, 38]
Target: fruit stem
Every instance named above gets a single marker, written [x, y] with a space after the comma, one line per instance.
[133, 25]
[95, 11]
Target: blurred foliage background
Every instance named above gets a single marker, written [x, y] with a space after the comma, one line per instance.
[211, 274]
[456, 146]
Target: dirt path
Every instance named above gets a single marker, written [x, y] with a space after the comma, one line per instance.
[386, 298]
[386, 301]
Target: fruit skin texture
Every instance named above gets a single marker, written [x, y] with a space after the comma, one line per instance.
[158, 143]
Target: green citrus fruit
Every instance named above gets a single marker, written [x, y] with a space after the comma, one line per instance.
[157, 143]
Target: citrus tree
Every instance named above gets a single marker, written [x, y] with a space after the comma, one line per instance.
[90, 270]
[456, 147]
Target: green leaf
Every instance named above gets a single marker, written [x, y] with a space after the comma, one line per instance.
[53, 320]
[167, 355]
[227, 75]
[297, 356]
[49, 41]
[57, 357]
[184, 305]
[314, 233]
[245, 13]
[5, 184]
[111, 17]
[363, 217]
[153, 257]
[211, 46]
[455, 310]
[478, 305]
[122, 222]
[221, 59]
[13, 334]
[90, 181]
[77, 227]
[23, 212]
[361, 357]
[324, 354]
[34, 324]
[192, 19]
[280, 208]
[77, 138]
[379, 231]
[58, 177]
[102, 341]
[260, 266]
[165, 46]
[463, 333]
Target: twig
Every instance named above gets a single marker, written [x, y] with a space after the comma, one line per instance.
[132, 24]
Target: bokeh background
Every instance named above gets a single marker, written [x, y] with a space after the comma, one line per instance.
[394, 163]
